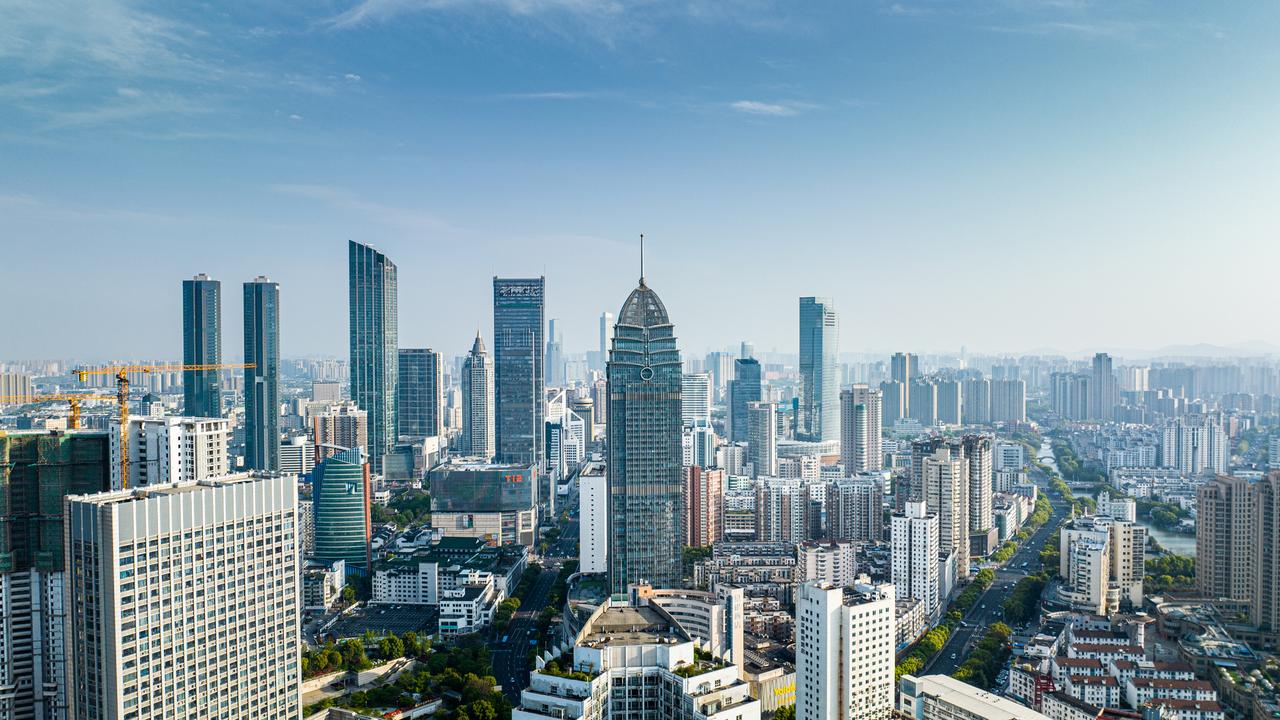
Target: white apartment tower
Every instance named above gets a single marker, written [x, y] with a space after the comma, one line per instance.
[593, 507]
[914, 542]
[860, 429]
[183, 601]
[695, 399]
[946, 493]
[165, 450]
[844, 652]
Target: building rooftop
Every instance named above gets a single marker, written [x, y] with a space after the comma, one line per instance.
[632, 625]
[975, 702]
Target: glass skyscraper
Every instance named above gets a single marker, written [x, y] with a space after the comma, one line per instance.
[375, 362]
[421, 393]
[819, 418]
[646, 509]
[518, 350]
[262, 382]
[743, 389]
[201, 345]
[340, 502]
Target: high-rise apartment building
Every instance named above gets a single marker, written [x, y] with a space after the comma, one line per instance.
[478, 397]
[340, 497]
[782, 510]
[644, 454]
[16, 386]
[340, 427]
[37, 470]
[855, 509]
[1225, 536]
[903, 368]
[819, 417]
[695, 399]
[698, 445]
[171, 449]
[893, 396]
[1008, 401]
[762, 438]
[860, 429]
[1102, 563]
[946, 493]
[201, 345]
[978, 450]
[262, 381]
[593, 509]
[420, 396]
[703, 500]
[950, 400]
[1104, 390]
[914, 541]
[148, 646]
[845, 639]
[297, 455]
[744, 389]
[922, 401]
[518, 347]
[1194, 444]
[975, 404]
[373, 309]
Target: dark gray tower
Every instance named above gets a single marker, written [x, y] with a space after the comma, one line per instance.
[375, 364]
[201, 345]
[262, 382]
[518, 352]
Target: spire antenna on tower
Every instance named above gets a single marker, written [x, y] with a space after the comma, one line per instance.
[641, 258]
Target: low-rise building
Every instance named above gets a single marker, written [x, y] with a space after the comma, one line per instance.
[1098, 690]
[1139, 691]
[1059, 705]
[470, 606]
[322, 584]
[941, 697]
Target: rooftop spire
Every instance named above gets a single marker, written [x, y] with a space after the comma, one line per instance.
[641, 259]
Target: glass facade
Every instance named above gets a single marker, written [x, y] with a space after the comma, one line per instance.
[819, 418]
[340, 501]
[744, 389]
[420, 393]
[201, 345]
[518, 350]
[646, 508]
[483, 489]
[262, 382]
[375, 365]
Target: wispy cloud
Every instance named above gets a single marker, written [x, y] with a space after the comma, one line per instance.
[772, 109]
[402, 218]
[372, 11]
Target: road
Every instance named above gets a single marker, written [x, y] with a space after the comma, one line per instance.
[988, 609]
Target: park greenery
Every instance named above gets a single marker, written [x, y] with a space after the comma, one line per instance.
[1164, 515]
[983, 664]
[412, 507]
[690, 556]
[1023, 602]
[1170, 572]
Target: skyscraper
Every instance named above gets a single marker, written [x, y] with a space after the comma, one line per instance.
[704, 499]
[903, 368]
[946, 492]
[762, 438]
[606, 336]
[845, 652]
[374, 324]
[860, 428]
[478, 420]
[695, 399]
[147, 645]
[262, 382]
[977, 449]
[518, 320]
[1104, 389]
[893, 395]
[420, 401]
[644, 454]
[949, 402]
[975, 403]
[340, 500]
[819, 418]
[914, 539]
[201, 345]
[555, 354]
[922, 401]
[743, 390]
[1008, 401]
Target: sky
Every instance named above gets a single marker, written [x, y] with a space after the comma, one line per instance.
[1005, 175]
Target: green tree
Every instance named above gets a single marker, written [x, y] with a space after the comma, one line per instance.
[391, 647]
[786, 712]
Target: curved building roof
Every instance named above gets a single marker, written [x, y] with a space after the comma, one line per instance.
[643, 308]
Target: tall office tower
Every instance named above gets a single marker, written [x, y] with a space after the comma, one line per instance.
[922, 402]
[478, 416]
[746, 350]
[1194, 444]
[893, 397]
[782, 510]
[606, 337]
[860, 429]
[762, 438]
[145, 644]
[950, 401]
[555, 354]
[703, 500]
[1105, 392]
[903, 368]
[37, 470]
[171, 449]
[1008, 401]
[819, 418]
[695, 399]
[518, 306]
[262, 382]
[975, 404]
[420, 396]
[373, 293]
[342, 426]
[645, 482]
[913, 537]
[845, 652]
[340, 497]
[744, 389]
[201, 345]
[855, 509]
[979, 450]
[1225, 536]
[946, 493]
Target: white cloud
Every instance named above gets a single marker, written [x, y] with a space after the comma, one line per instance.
[128, 92]
[351, 77]
[295, 117]
[755, 107]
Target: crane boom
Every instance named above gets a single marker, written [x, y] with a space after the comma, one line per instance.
[73, 399]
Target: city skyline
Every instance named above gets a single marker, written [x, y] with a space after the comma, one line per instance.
[1061, 146]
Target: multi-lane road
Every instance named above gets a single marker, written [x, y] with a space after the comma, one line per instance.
[989, 608]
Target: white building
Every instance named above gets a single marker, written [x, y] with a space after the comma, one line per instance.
[860, 429]
[835, 563]
[593, 517]
[941, 697]
[171, 449]
[914, 542]
[297, 455]
[1194, 444]
[714, 618]
[470, 605]
[695, 399]
[1102, 563]
[698, 446]
[1010, 456]
[845, 652]
[634, 661]
[149, 647]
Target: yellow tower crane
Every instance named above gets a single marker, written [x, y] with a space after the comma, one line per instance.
[74, 421]
[122, 372]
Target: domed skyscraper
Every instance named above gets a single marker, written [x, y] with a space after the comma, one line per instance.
[646, 510]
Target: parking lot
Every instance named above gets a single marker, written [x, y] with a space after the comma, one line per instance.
[384, 619]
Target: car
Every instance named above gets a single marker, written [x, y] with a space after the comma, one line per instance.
[953, 656]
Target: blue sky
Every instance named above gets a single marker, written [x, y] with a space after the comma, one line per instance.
[1003, 174]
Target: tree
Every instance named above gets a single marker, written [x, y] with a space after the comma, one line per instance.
[391, 647]
[786, 712]
[348, 595]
